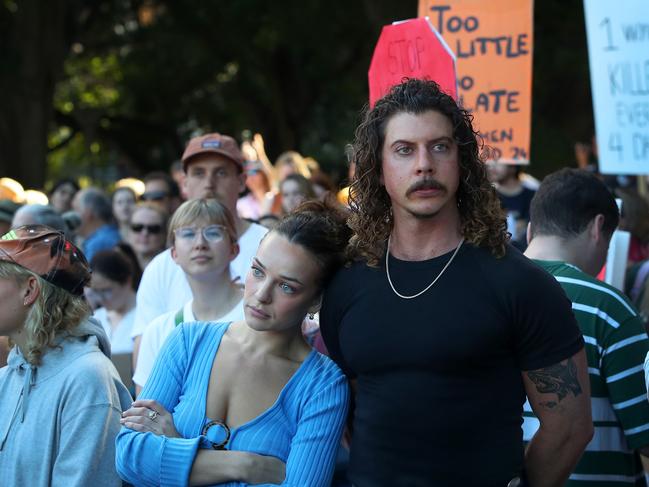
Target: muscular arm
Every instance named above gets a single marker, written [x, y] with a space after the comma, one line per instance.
[560, 397]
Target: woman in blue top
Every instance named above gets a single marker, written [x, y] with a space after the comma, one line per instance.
[248, 402]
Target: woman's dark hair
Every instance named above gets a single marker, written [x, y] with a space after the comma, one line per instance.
[118, 264]
[321, 228]
[63, 182]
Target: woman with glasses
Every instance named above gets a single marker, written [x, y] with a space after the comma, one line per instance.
[115, 277]
[249, 402]
[147, 232]
[203, 243]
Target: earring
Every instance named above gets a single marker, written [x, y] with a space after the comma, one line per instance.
[311, 316]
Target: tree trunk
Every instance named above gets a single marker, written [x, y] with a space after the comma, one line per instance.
[34, 49]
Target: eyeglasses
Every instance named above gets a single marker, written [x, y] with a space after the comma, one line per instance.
[211, 233]
[152, 229]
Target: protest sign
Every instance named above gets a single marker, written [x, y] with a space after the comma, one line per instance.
[618, 48]
[493, 45]
[410, 49]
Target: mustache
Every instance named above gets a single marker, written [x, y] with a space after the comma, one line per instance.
[426, 184]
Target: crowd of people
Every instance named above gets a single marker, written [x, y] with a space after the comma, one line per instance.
[242, 322]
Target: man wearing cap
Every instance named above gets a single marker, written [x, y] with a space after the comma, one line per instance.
[213, 166]
[61, 398]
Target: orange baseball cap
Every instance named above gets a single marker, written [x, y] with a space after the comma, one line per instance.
[213, 143]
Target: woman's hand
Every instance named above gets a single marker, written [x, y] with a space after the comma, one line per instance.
[262, 469]
[149, 415]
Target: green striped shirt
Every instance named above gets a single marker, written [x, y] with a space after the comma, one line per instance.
[616, 345]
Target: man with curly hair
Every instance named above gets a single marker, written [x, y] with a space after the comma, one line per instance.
[441, 324]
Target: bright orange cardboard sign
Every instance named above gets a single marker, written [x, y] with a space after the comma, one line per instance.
[492, 42]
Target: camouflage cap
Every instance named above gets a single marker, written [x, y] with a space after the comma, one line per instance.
[46, 252]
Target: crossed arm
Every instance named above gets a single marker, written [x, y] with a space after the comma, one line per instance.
[560, 397]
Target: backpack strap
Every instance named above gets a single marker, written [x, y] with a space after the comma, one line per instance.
[179, 317]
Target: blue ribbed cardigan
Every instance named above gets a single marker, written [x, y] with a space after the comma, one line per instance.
[303, 427]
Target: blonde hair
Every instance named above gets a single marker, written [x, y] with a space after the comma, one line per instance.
[210, 210]
[158, 208]
[55, 311]
[295, 159]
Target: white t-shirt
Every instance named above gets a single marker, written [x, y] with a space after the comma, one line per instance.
[164, 286]
[159, 329]
[120, 338]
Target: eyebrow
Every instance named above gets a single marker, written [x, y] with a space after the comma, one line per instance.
[443, 138]
[286, 278]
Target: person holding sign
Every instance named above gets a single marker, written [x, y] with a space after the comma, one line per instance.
[443, 327]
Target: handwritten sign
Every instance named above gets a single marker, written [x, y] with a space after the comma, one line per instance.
[618, 48]
[493, 45]
[410, 49]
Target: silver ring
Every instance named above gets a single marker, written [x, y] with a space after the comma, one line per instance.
[153, 415]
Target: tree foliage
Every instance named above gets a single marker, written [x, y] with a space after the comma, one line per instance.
[109, 88]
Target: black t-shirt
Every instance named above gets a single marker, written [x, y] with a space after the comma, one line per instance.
[518, 205]
[439, 387]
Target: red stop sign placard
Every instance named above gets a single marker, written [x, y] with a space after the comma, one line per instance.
[411, 49]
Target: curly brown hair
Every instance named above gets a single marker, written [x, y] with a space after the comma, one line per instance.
[54, 312]
[482, 219]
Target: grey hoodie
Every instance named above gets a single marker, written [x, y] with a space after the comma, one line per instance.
[58, 420]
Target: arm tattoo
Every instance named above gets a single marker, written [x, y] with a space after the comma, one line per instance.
[560, 379]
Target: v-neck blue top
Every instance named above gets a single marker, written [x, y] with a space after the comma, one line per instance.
[302, 428]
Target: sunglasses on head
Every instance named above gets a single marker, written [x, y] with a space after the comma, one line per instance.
[152, 229]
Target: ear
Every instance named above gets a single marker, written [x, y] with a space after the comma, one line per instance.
[31, 290]
[242, 181]
[596, 226]
[528, 233]
[234, 251]
[316, 304]
[174, 254]
[183, 188]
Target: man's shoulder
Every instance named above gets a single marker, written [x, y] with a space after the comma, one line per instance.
[161, 323]
[162, 259]
[512, 264]
[107, 232]
[355, 270]
[253, 235]
[588, 290]
[162, 265]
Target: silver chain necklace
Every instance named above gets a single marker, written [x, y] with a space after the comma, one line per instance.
[403, 296]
